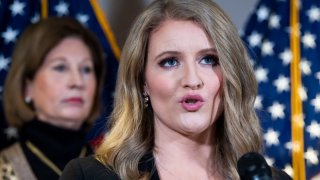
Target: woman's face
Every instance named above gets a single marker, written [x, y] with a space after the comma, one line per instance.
[183, 79]
[64, 86]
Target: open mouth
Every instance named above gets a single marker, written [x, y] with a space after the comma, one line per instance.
[192, 103]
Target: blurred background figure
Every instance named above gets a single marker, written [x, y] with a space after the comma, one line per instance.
[15, 16]
[52, 95]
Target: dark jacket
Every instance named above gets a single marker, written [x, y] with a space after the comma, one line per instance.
[89, 168]
[57, 144]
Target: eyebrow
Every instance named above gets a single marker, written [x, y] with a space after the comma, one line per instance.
[206, 50]
[54, 59]
[167, 52]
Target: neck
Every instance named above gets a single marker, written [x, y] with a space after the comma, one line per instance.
[56, 142]
[62, 123]
[188, 145]
[188, 156]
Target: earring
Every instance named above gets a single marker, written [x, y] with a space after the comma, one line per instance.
[146, 99]
[27, 99]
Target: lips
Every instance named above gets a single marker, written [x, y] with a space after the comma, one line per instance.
[192, 102]
[74, 100]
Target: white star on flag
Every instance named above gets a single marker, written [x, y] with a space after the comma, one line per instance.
[303, 93]
[309, 40]
[316, 103]
[269, 160]
[271, 137]
[35, 18]
[276, 111]
[311, 156]
[282, 83]
[254, 39]
[62, 8]
[3, 62]
[261, 74]
[83, 18]
[286, 56]
[288, 145]
[258, 102]
[314, 14]
[267, 48]
[17, 8]
[262, 13]
[314, 129]
[305, 67]
[10, 35]
[274, 21]
[288, 169]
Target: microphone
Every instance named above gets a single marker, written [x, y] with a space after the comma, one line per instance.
[252, 166]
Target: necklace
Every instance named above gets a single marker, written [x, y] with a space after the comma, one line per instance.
[46, 160]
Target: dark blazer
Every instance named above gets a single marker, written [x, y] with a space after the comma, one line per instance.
[89, 168]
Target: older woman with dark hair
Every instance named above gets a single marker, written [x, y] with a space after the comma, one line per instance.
[52, 95]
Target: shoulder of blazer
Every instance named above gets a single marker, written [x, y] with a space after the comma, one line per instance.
[87, 168]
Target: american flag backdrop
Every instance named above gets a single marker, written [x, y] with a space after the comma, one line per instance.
[267, 35]
[16, 15]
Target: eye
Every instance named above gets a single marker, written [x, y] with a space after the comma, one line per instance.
[60, 67]
[86, 69]
[212, 60]
[169, 62]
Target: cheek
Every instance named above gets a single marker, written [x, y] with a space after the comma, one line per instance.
[159, 87]
[215, 90]
[48, 87]
[46, 96]
[91, 90]
[91, 84]
[219, 97]
[158, 91]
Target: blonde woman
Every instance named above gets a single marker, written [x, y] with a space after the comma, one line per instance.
[184, 99]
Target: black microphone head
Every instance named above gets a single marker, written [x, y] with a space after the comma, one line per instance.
[253, 166]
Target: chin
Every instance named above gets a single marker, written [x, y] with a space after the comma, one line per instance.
[74, 119]
[193, 129]
[75, 115]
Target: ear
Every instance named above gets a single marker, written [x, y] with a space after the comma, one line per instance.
[28, 91]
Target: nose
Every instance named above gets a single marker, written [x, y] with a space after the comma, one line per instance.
[76, 79]
[191, 77]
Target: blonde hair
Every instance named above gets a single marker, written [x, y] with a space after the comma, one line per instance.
[29, 53]
[132, 127]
